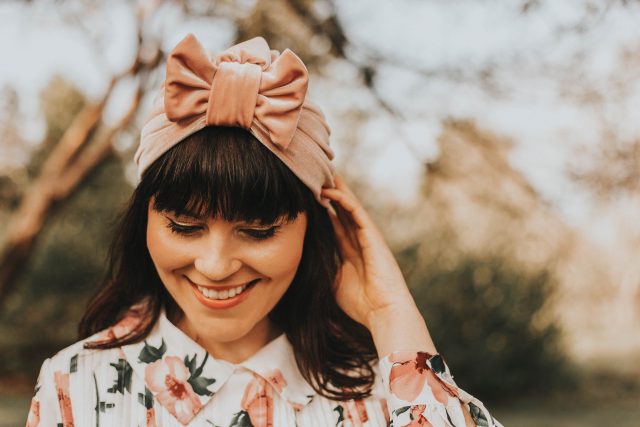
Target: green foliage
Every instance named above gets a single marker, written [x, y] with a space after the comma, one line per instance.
[66, 265]
[484, 316]
[60, 102]
[69, 256]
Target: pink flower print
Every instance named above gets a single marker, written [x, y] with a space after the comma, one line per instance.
[167, 379]
[34, 414]
[126, 324]
[385, 409]
[276, 379]
[64, 398]
[123, 327]
[151, 418]
[409, 375]
[355, 412]
[417, 419]
[258, 402]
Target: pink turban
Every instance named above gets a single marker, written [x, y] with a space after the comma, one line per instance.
[247, 86]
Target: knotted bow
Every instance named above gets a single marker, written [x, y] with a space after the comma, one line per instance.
[244, 84]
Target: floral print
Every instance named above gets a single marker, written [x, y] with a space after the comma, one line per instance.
[33, 419]
[257, 402]
[168, 380]
[124, 326]
[409, 374]
[151, 418]
[352, 413]
[276, 379]
[416, 417]
[64, 398]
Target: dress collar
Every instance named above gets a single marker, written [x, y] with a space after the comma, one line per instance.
[183, 376]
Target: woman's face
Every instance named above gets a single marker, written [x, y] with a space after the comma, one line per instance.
[226, 277]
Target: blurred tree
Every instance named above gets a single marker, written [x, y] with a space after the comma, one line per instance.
[484, 263]
[63, 268]
[484, 316]
[83, 145]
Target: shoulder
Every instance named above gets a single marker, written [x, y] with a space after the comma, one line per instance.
[69, 357]
[66, 360]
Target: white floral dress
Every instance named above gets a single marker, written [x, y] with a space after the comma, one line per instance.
[169, 380]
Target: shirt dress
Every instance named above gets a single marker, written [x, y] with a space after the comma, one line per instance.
[169, 380]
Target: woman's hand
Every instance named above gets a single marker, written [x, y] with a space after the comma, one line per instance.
[370, 287]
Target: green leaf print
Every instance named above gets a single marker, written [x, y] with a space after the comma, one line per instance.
[340, 410]
[191, 363]
[73, 364]
[198, 383]
[123, 382]
[104, 406]
[146, 399]
[241, 419]
[437, 364]
[150, 354]
[101, 406]
[478, 416]
[401, 410]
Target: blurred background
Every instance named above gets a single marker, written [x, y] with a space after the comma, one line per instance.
[496, 143]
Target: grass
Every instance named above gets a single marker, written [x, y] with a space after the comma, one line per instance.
[14, 409]
[622, 413]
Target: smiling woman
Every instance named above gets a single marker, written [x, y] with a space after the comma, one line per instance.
[247, 284]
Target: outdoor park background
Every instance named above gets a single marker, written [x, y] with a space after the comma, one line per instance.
[496, 143]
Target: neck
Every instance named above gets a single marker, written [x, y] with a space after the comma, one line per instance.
[237, 350]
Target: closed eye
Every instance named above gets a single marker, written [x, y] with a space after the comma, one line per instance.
[253, 233]
[182, 229]
[261, 234]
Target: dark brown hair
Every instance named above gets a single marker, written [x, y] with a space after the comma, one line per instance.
[227, 173]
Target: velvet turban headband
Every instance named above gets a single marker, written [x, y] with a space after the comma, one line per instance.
[248, 86]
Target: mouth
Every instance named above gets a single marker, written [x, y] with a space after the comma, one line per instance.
[222, 298]
[225, 294]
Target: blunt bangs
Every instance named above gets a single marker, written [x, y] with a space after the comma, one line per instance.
[225, 172]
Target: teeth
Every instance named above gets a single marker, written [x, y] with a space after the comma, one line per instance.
[221, 295]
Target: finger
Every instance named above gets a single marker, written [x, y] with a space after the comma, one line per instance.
[342, 185]
[349, 225]
[350, 204]
[345, 241]
[351, 229]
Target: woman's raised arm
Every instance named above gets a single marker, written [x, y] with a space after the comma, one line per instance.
[371, 289]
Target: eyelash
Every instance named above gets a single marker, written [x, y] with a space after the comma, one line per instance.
[185, 230]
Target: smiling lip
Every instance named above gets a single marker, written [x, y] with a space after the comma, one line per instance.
[221, 304]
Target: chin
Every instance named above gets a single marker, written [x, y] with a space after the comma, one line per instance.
[221, 329]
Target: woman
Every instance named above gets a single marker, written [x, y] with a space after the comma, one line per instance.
[247, 284]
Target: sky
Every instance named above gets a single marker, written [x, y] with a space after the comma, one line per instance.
[542, 67]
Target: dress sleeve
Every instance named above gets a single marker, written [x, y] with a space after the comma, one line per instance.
[44, 404]
[420, 388]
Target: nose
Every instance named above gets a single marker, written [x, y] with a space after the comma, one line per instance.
[216, 259]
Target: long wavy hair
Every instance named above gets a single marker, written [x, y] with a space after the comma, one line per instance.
[225, 172]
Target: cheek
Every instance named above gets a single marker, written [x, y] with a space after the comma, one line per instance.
[284, 257]
[164, 252]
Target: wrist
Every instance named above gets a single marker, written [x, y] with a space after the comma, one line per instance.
[399, 328]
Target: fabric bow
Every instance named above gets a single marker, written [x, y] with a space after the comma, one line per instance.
[246, 85]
